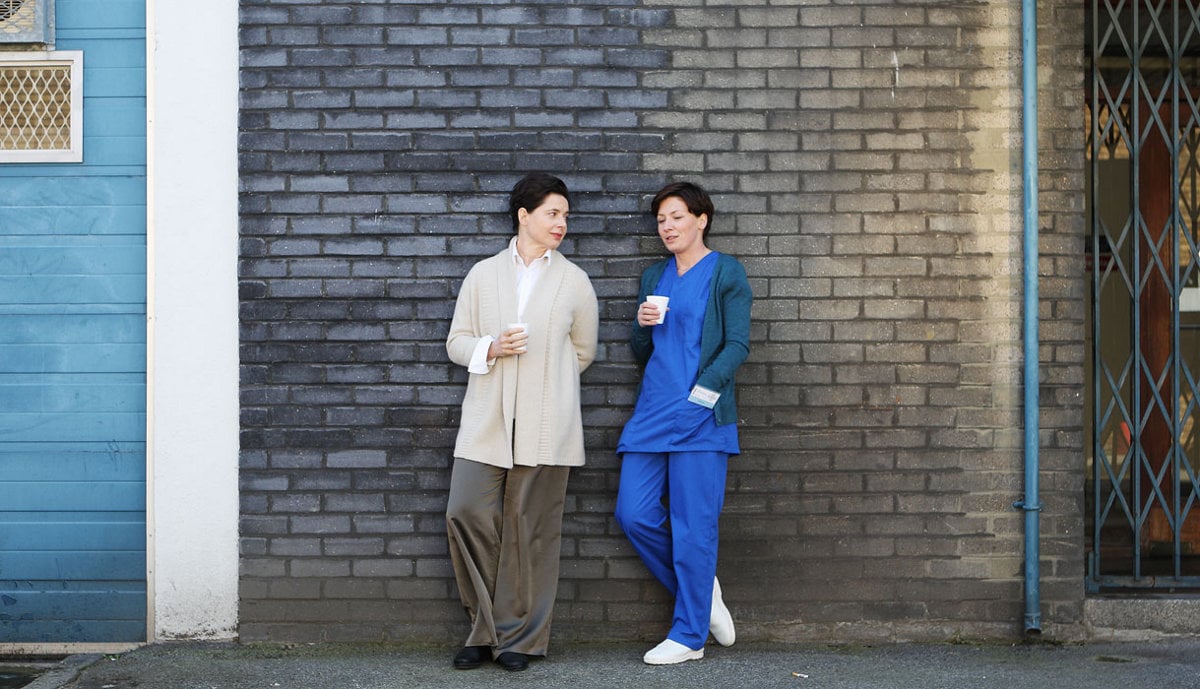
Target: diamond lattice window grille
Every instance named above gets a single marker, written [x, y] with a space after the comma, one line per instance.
[27, 21]
[9, 7]
[41, 103]
[37, 108]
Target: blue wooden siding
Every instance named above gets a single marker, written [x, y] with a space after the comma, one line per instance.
[73, 356]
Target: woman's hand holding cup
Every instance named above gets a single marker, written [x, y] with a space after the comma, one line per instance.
[514, 340]
[652, 311]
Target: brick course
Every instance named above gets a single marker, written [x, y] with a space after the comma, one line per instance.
[863, 160]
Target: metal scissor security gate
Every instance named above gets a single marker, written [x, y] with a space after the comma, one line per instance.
[1144, 207]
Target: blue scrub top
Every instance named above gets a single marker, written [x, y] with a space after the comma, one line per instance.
[663, 418]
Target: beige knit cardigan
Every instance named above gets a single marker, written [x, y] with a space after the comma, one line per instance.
[525, 411]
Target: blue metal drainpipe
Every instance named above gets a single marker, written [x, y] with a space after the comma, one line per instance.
[1031, 504]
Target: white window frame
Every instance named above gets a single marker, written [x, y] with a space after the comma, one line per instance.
[52, 58]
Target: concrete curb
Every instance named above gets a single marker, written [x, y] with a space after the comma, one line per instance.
[65, 673]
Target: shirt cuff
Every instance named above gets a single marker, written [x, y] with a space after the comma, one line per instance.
[479, 362]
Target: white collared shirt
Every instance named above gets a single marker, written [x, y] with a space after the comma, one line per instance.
[527, 276]
[527, 279]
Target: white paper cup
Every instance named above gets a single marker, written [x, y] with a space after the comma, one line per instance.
[661, 303]
[520, 326]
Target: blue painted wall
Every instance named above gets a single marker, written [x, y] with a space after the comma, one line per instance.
[72, 356]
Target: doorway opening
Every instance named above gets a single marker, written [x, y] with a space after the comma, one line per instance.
[1143, 119]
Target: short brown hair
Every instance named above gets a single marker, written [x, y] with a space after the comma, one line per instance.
[531, 191]
[693, 196]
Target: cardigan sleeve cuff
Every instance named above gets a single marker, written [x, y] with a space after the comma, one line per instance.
[479, 362]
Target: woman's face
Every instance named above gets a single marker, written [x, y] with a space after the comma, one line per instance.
[544, 227]
[679, 230]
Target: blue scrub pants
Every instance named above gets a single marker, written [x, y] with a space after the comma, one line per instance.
[678, 546]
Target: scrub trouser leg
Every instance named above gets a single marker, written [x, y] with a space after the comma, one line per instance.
[678, 544]
[505, 530]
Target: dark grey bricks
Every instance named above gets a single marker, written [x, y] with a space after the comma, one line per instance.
[862, 159]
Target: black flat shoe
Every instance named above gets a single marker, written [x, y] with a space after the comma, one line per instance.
[513, 662]
[472, 657]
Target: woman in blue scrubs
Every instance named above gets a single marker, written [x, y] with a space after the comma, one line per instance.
[684, 425]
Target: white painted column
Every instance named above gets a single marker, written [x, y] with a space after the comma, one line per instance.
[192, 473]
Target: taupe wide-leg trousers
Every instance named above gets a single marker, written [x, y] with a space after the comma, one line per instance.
[505, 530]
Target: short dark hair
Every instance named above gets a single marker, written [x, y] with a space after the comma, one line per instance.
[531, 191]
[693, 196]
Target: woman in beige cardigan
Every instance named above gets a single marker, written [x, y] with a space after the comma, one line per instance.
[525, 327]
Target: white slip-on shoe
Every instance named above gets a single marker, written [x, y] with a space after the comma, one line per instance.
[720, 623]
[671, 652]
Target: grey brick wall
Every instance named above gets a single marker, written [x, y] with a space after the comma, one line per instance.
[865, 164]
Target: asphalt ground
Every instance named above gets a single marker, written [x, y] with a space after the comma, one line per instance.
[1169, 664]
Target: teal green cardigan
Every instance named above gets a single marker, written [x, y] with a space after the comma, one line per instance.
[725, 337]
